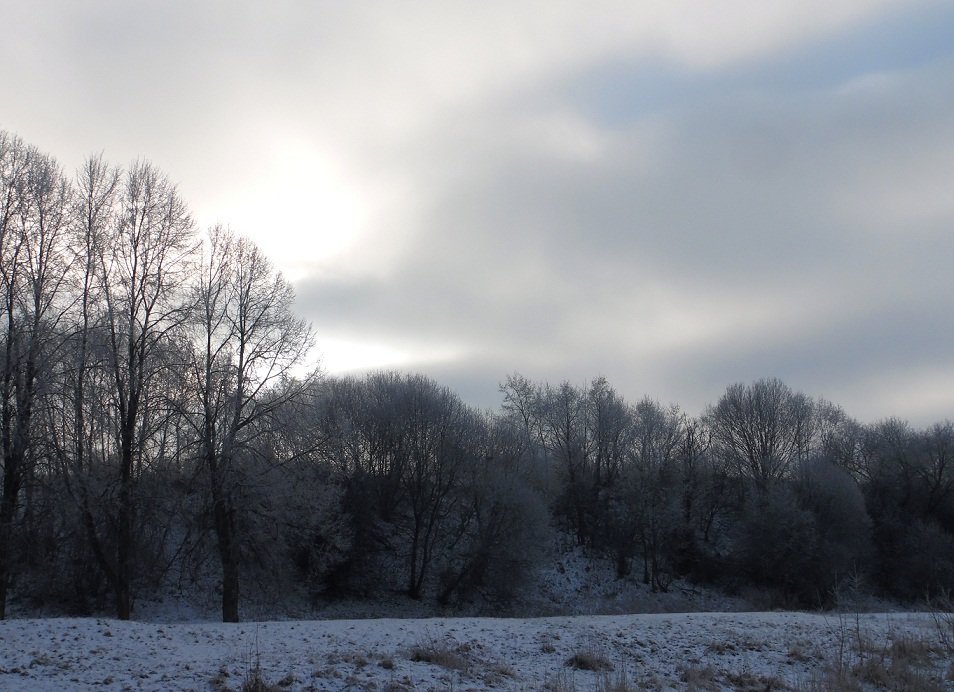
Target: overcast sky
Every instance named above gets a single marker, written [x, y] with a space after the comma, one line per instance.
[678, 195]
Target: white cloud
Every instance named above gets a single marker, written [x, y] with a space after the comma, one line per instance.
[424, 171]
[345, 355]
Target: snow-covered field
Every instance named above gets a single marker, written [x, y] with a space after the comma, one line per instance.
[663, 651]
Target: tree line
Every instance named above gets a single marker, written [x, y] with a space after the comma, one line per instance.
[158, 428]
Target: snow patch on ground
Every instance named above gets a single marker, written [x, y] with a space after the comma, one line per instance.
[689, 637]
[576, 583]
[658, 651]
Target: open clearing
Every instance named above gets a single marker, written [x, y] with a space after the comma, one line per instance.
[665, 651]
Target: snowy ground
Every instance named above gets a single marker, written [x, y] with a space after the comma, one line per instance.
[661, 651]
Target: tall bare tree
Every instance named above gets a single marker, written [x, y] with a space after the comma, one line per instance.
[245, 339]
[611, 429]
[438, 442]
[658, 434]
[567, 441]
[34, 219]
[141, 264]
[77, 415]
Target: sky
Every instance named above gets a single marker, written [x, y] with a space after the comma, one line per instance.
[676, 195]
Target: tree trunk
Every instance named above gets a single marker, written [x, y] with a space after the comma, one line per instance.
[413, 590]
[622, 563]
[230, 591]
[121, 587]
[7, 511]
[224, 517]
[12, 480]
[124, 538]
[646, 578]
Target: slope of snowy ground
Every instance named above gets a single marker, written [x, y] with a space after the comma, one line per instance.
[662, 651]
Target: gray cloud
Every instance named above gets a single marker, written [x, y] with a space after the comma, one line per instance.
[742, 208]
[673, 200]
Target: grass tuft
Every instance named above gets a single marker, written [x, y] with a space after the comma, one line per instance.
[700, 678]
[439, 652]
[589, 659]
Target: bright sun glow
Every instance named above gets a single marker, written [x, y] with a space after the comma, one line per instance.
[344, 355]
[301, 208]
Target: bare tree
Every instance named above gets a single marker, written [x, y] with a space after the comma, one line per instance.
[839, 438]
[500, 529]
[141, 263]
[245, 339]
[34, 265]
[611, 430]
[566, 439]
[763, 429]
[522, 401]
[658, 435]
[78, 419]
[937, 470]
[437, 441]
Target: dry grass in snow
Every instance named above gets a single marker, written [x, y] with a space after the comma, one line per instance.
[697, 651]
